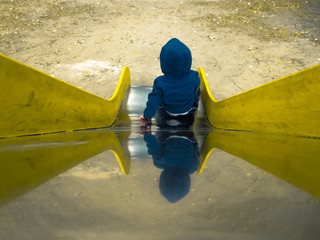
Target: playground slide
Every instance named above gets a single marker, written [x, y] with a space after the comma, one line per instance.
[289, 105]
[32, 102]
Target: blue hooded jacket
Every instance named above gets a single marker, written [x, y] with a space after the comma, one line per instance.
[177, 91]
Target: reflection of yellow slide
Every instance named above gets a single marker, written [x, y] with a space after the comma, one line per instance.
[289, 106]
[27, 162]
[293, 159]
[32, 102]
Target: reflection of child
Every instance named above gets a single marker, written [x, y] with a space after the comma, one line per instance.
[177, 153]
[176, 93]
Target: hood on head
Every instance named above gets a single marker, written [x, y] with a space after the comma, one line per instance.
[175, 58]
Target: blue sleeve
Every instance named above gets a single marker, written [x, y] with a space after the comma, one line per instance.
[153, 101]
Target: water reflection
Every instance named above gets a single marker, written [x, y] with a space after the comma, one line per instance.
[293, 159]
[107, 200]
[28, 162]
[177, 153]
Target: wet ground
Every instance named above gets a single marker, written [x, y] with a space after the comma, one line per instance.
[60, 196]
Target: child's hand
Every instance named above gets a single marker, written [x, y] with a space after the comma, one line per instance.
[144, 122]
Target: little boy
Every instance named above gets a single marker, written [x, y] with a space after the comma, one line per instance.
[175, 95]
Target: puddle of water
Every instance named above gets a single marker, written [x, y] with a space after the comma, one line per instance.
[78, 191]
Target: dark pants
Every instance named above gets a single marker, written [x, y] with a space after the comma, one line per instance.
[164, 119]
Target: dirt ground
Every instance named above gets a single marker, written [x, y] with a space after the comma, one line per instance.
[240, 44]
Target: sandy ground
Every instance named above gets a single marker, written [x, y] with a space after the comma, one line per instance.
[239, 44]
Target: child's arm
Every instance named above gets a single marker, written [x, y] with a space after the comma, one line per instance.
[153, 102]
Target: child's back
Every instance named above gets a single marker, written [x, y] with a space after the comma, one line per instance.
[177, 91]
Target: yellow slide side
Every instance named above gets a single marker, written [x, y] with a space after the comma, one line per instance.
[289, 105]
[32, 102]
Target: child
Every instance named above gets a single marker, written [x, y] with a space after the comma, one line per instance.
[175, 95]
